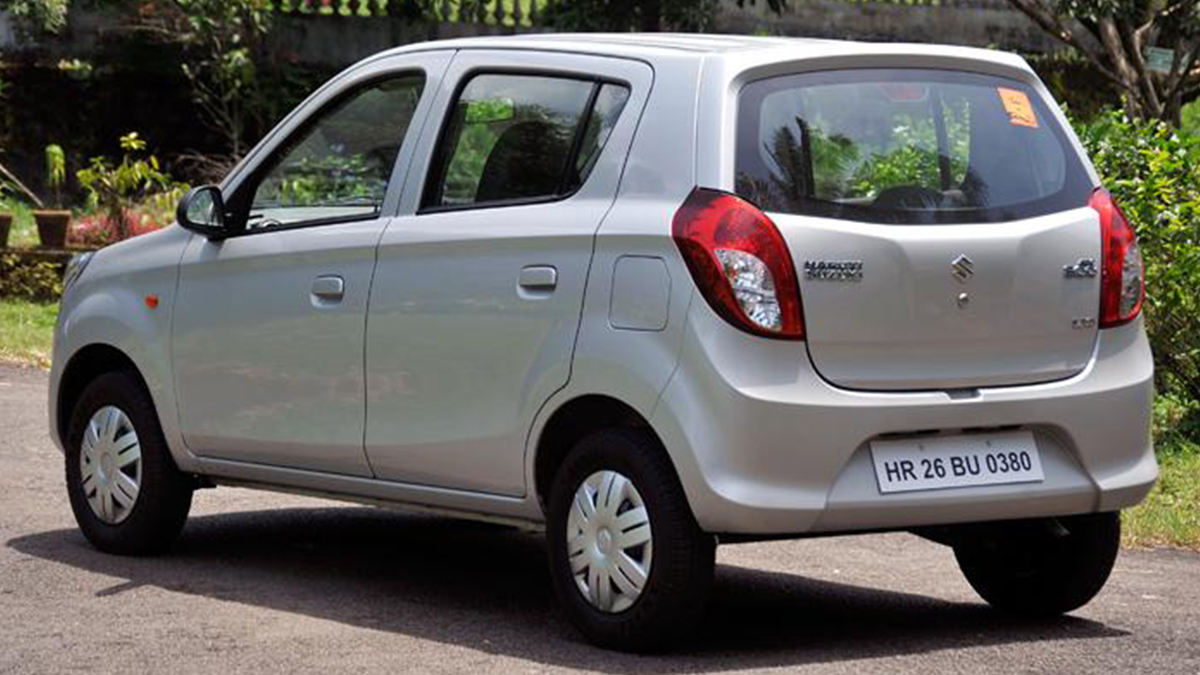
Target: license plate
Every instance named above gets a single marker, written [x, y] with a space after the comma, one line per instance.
[940, 462]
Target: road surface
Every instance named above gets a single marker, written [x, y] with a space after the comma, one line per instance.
[270, 583]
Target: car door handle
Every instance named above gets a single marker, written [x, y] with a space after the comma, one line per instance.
[328, 288]
[539, 278]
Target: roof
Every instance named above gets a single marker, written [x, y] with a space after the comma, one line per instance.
[650, 45]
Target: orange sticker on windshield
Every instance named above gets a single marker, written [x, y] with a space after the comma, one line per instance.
[1019, 109]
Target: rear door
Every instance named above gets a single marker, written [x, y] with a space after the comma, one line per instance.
[479, 284]
[939, 222]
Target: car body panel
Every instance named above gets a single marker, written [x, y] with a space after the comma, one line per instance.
[766, 443]
[107, 306]
[910, 323]
[265, 371]
[461, 356]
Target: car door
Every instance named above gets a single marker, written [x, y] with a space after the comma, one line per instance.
[480, 280]
[267, 339]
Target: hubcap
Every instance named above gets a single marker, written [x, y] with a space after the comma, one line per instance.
[609, 542]
[110, 465]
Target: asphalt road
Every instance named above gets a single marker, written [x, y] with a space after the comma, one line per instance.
[270, 583]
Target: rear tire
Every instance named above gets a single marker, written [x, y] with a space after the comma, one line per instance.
[126, 493]
[1042, 575]
[670, 599]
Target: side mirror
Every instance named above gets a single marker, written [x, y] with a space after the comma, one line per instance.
[202, 210]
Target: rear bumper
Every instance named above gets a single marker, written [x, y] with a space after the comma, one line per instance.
[764, 446]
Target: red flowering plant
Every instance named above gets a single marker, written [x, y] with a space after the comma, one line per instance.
[154, 213]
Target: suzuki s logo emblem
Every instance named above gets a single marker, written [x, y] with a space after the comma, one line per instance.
[962, 268]
[1084, 269]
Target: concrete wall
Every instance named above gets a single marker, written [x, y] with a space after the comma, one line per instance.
[976, 23]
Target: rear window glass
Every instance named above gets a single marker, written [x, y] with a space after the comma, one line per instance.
[904, 146]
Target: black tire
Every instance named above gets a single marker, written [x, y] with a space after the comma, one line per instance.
[676, 591]
[1041, 574]
[165, 496]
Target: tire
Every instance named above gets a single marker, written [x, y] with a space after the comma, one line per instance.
[671, 600]
[1036, 574]
[150, 521]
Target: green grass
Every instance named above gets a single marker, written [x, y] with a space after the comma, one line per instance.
[1169, 517]
[24, 231]
[26, 330]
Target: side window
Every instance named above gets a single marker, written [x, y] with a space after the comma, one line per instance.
[521, 137]
[610, 101]
[338, 166]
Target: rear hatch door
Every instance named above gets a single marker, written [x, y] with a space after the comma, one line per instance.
[938, 219]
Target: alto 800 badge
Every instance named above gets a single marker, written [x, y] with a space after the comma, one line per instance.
[833, 270]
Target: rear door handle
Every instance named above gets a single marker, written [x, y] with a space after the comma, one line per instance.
[329, 288]
[538, 278]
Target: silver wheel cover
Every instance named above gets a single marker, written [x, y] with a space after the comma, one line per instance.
[609, 543]
[110, 465]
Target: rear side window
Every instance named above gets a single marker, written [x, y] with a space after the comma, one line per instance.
[904, 146]
[521, 138]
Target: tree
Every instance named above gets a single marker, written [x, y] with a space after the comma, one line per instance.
[221, 42]
[48, 15]
[1116, 36]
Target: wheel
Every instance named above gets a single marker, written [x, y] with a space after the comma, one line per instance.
[630, 566]
[126, 493]
[1036, 572]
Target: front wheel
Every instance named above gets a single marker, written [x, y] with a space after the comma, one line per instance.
[630, 566]
[126, 493]
[1044, 574]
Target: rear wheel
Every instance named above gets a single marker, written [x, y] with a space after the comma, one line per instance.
[630, 566]
[125, 491]
[1036, 571]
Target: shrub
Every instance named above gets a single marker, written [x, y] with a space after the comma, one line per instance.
[154, 213]
[117, 187]
[95, 231]
[30, 278]
[1153, 172]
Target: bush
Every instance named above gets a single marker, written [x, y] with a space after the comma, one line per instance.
[116, 188]
[33, 278]
[1153, 172]
[154, 213]
[95, 231]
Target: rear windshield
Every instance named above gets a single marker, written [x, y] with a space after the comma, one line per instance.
[904, 146]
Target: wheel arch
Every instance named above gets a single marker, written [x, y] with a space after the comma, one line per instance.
[85, 365]
[573, 420]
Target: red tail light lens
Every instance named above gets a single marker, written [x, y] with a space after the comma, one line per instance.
[740, 263]
[1122, 278]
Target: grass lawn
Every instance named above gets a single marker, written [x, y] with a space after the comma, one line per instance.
[1170, 516]
[24, 230]
[26, 329]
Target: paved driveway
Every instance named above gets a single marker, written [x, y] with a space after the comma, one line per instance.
[269, 583]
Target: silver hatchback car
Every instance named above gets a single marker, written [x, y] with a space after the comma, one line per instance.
[649, 293]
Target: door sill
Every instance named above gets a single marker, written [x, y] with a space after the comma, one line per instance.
[517, 512]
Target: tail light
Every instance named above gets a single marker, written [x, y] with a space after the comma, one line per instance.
[1122, 277]
[740, 263]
